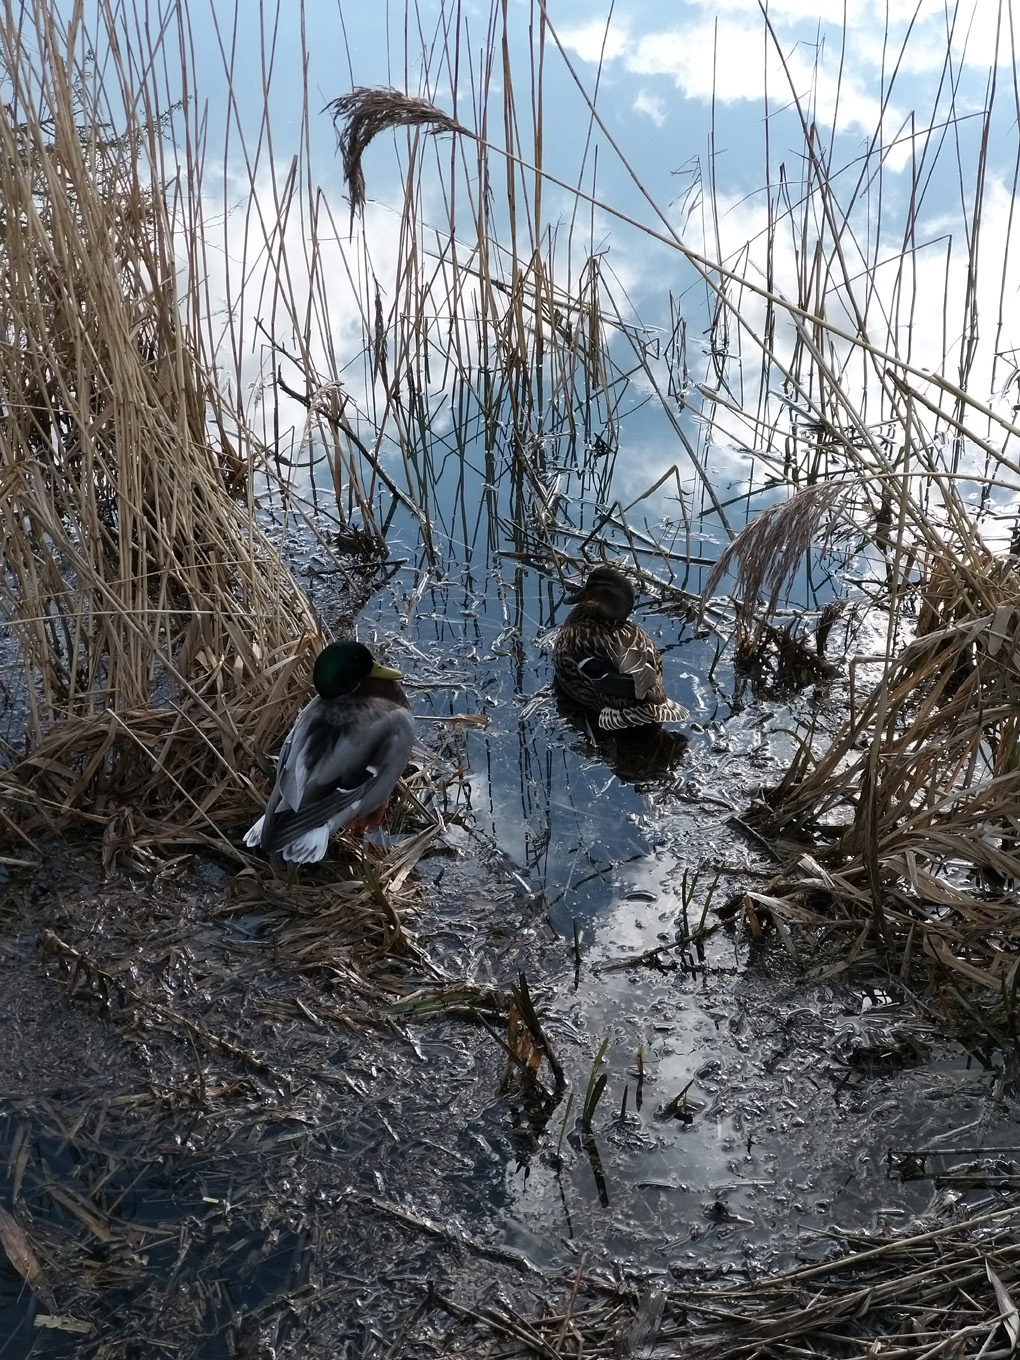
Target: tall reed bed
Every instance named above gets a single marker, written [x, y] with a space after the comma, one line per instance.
[160, 634]
[460, 357]
[888, 369]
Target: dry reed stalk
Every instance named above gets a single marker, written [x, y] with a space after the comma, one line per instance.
[924, 780]
[162, 637]
[524, 355]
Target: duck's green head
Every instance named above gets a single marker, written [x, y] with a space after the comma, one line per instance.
[342, 666]
[609, 591]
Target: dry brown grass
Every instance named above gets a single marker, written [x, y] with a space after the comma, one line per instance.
[162, 638]
[911, 809]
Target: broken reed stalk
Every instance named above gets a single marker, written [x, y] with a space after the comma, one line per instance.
[161, 636]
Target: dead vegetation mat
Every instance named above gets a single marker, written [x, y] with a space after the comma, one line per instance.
[220, 1140]
[204, 1092]
[897, 833]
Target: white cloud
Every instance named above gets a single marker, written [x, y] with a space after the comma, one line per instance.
[722, 50]
[594, 42]
[729, 61]
[651, 106]
[968, 27]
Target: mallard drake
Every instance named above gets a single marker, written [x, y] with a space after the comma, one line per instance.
[606, 663]
[341, 759]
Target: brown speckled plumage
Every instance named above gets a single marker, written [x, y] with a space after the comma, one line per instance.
[606, 663]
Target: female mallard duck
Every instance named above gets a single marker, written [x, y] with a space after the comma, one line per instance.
[341, 759]
[605, 662]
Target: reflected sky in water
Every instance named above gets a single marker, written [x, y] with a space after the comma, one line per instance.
[617, 852]
[777, 1139]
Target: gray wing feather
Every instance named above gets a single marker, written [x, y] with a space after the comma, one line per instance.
[336, 761]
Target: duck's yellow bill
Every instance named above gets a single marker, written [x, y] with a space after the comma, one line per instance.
[379, 672]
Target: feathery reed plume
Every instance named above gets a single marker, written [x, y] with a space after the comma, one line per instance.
[765, 556]
[365, 112]
[768, 550]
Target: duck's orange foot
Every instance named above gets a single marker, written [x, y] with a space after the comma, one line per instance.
[372, 821]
